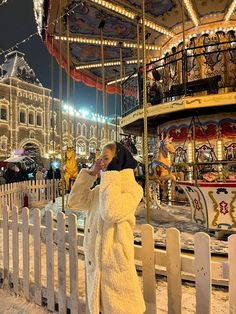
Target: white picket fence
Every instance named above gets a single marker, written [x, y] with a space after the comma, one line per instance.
[41, 263]
[38, 192]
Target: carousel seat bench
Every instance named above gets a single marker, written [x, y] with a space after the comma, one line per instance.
[209, 84]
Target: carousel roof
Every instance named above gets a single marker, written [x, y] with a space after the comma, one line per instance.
[118, 20]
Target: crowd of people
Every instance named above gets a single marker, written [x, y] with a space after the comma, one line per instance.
[18, 173]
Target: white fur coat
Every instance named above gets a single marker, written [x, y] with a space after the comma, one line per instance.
[112, 282]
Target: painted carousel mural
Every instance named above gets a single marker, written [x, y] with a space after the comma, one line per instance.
[175, 66]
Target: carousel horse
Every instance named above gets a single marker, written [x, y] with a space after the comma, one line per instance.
[160, 169]
[71, 168]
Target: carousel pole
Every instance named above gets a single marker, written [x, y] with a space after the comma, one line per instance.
[145, 115]
[61, 116]
[97, 125]
[101, 26]
[74, 103]
[116, 109]
[68, 83]
[138, 47]
[121, 76]
[53, 124]
[184, 56]
[194, 152]
[105, 114]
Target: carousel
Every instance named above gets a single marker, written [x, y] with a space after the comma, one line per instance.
[173, 63]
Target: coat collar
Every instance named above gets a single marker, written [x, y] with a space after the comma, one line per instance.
[127, 175]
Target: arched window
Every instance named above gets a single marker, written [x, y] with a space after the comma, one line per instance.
[92, 147]
[3, 113]
[31, 118]
[64, 126]
[22, 117]
[3, 142]
[91, 131]
[72, 128]
[78, 129]
[39, 119]
[102, 133]
[81, 148]
[84, 130]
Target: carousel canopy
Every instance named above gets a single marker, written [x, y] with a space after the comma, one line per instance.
[118, 24]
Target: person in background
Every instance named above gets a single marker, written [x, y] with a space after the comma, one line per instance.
[11, 173]
[39, 174]
[112, 282]
[57, 174]
[49, 175]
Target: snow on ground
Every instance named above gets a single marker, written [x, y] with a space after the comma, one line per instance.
[12, 304]
[161, 219]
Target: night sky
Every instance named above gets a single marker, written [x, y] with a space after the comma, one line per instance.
[17, 22]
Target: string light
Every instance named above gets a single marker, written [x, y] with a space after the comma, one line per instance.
[110, 64]
[157, 28]
[116, 8]
[96, 41]
[191, 12]
[3, 2]
[120, 80]
[86, 40]
[131, 15]
[97, 65]
[230, 10]
[37, 33]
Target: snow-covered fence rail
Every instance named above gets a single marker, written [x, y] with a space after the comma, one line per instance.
[41, 262]
[37, 192]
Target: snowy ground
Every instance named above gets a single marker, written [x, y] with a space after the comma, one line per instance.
[11, 304]
[161, 219]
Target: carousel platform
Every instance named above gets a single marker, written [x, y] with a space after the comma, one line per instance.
[212, 204]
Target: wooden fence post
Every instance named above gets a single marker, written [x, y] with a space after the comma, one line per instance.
[202, 272]
[73, 255]
[173, 254]
[61, 262]
[15, 249]
[50, 262]
[148, 264]
[5, 222]
[232, 274]
[37, 257]
[25, 238]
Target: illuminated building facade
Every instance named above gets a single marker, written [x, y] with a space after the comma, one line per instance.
[26, 115]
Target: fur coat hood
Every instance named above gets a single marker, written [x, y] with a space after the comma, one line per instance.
[112, 282]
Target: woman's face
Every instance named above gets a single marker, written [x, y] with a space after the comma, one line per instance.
[106, 158]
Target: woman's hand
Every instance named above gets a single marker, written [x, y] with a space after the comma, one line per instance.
[96, 168]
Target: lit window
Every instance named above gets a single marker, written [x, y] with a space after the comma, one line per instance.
[22, 117]
[3, 114]
[39, 120]
[31, 118]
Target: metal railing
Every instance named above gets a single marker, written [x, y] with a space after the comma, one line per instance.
[207, 69]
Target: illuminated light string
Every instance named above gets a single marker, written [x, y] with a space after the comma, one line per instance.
[110, 64]
[129, 14]
[191, 12]
[94, 41]
[2, 52]
[82, 113]
[230, 10]
[3, 2]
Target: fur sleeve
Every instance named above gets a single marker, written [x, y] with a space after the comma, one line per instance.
[81, 194]
[115, 205]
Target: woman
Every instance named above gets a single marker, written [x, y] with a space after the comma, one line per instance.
[112, 282]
